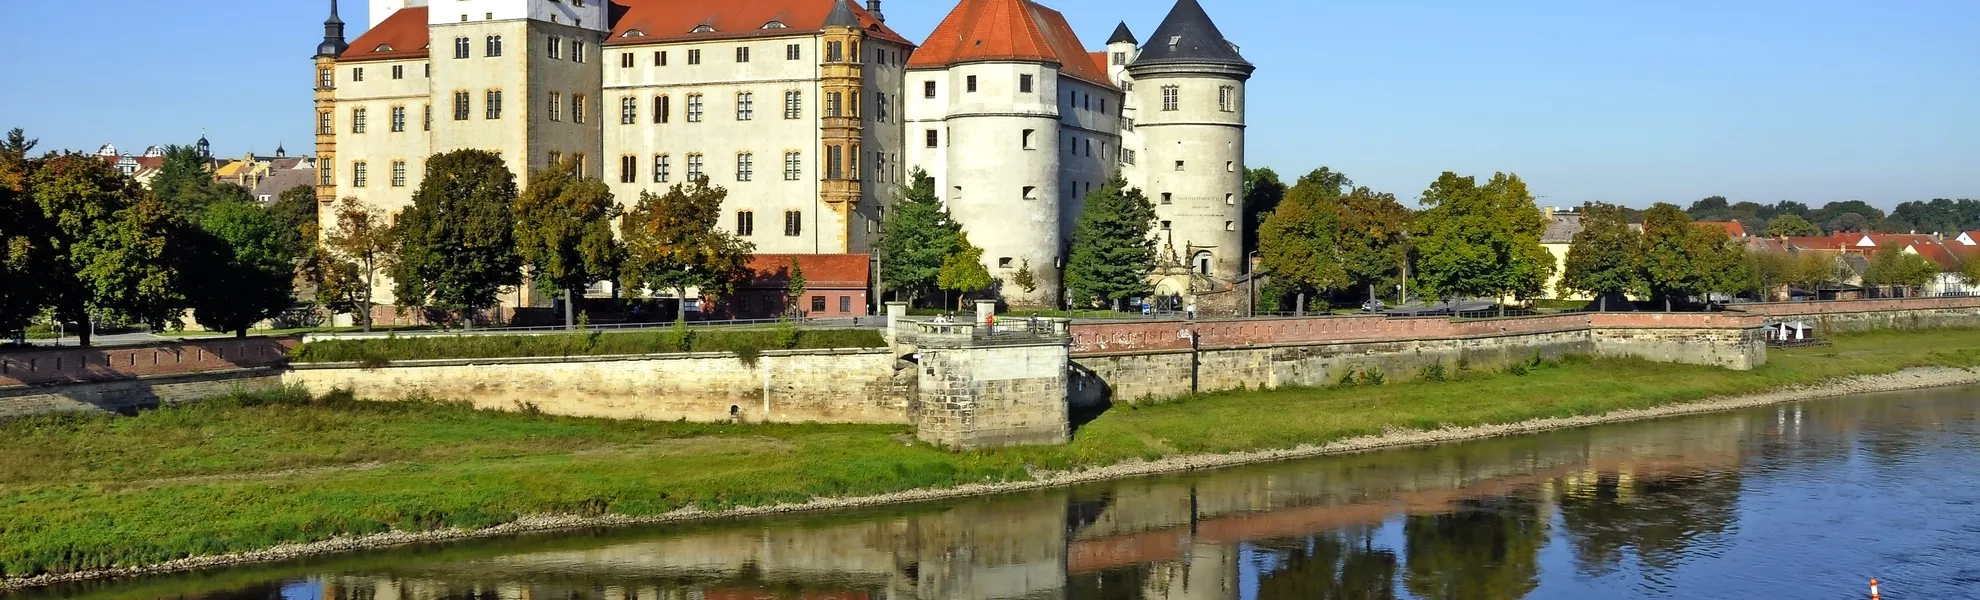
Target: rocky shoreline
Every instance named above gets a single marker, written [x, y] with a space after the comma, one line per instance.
[1909, 379]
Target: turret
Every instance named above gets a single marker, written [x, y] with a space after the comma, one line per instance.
[1188, 103]
[333, 35]
[1120, 51]
[873, 8]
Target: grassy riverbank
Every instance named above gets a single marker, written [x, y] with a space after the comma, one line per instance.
[252, 472]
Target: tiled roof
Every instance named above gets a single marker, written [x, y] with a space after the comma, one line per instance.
[1733, 228]
[652, 21]
[1008, 30]
[1188, 36]
[1561, 229]
[820, 270]
[402, 35]
[280, 181]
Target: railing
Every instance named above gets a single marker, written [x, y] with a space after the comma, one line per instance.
[1014, 330]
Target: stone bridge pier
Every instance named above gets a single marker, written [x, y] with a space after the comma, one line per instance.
[984, 385]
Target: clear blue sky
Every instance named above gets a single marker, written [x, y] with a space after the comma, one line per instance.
[1631, 102]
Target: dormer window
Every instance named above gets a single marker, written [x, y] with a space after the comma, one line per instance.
[1175, 39]
[775, 25]
[703, 29]
[382, 48]
[633, 33]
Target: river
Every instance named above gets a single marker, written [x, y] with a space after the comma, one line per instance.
[1800, 501]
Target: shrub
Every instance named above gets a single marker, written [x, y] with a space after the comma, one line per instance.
[748, 354]
[1372, 376]
[1435, 372]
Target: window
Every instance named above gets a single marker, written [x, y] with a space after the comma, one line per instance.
[791, 52]
[398, 71]
[793, 223]
[494, 109]
[934, 138]
[1179, 165]
[577, 163]
[1120, 58]
[745, 223]
[357, 74]
[358, 174]
[694, 108]
[357, 120]
[398, 119]
[660, 106]
[745, 106]
[628, 110]
[1168, 198]
[745, 166]
[325, 124]
[1227, 98]
[461, 106]
[793, 104]
[1127, 156]
[694, 167]
[1029, 135]
[742, 54]
[398, 173]
[833, 157]
[462, 47]
[427, 120]
[1165, 226]
[1030, 192]
[1103, 106]
[1230, 199]
[625, 60]
[880, 102]
[660, 58]
[793, 166]
[494, 45]
[834, 103]
[1230, 166]
[556, 158]
[1169, 97]
[326, 176]
[325, 80]
[1230, 226]
[577, 51]
[928, 89]
[577, 108]
[663, 168]
[1086, 102]
[817, 304]
[970, 84]
[694, 57]
[556, 106]
[556, 47]
[428, 68]
[834, 51]
[628, 169]
[1024, 84]
[1089, 147]
[845, 304]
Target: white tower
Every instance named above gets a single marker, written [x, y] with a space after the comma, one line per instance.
[381, 9]
[522, 78]
[1188, 102]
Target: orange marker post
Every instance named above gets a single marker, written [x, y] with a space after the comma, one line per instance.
[1873, 589]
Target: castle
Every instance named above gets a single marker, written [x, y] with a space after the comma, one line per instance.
[811, 113]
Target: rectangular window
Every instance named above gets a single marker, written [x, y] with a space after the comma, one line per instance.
[791, 52]
[1170, 95]
[745, 223]
[462, 106]
[398, 71]
[694, 108]
[625, 60]
[1227, 98]
[742, 54]
[1179, 166]
[793, 105]
[556, 106]
[793, 166]
[934, 138]
[325, 123]
[817, 304]
[663, 168]
[660, 107]
[1024, 84]
[694, 167]
[494, 45]
[577, 108]
[969, 84]
[426, 119]
[694, 57]
[358, 174]
[793, 223]
[398, 119]
[833, 155]
[745, 106]
[326, 176]
[357, 120]
[1168, 198]
[357, 74]
[928, 89]
[845, 305]
[577, 163]
[494, 108]
[660, 58]
[745, 166]
[556, 47]
[1029, 135]
[628, 169]
[834, 104]
[463, 47]
[556, 158]
[834, 51]
[628, 110]
[577, 51]
[1120, 58]
[398, 173]
[325, 80]
[1103, 106]
[880, 104]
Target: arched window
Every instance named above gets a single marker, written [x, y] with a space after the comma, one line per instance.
[494, 45]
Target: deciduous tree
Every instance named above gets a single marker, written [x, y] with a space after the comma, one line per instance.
[1602, 258]
[1298, 242]
[1672, 249]
[456, 243]
[24, 250]
[1814, 269]
[564, 232]
[1374, 237]
[1771, 270]
[794, 288]
[1791, 226]
[963, 271]
[244, 270]
[1481, 241]
[106, 254]
[295, 213]
[1262, 193]
[918, 236]
[1112, 251]
[672, 242]
[346, 272]
[1892, 266]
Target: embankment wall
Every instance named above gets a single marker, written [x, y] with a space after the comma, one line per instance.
[127, 396]
[1865, 315]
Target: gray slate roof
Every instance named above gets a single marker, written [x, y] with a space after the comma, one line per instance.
[1121, 34]
[1561, 230]
[842, 15]
[1188, 36]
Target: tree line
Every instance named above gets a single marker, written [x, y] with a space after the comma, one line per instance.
[1790, 218]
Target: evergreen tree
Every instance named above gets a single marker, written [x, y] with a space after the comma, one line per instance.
[564, 232]
[672, 242]
[1112, 251]
[1025, 279]
[1481, 241]
[919, 236]
[963, 271]
[456, 247]
[245, 267]
[1602, 259]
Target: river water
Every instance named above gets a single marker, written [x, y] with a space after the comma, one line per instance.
[1801, 501]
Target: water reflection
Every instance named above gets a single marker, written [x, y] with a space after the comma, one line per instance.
[1634, 510]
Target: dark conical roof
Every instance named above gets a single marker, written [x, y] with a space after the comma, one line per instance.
[333, 35]
[1188, 36]
[1121, 34]
[842, 15]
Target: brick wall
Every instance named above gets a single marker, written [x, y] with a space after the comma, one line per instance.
[69, 365]
[126, 396]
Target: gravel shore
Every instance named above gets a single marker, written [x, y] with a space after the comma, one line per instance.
[1909, 379]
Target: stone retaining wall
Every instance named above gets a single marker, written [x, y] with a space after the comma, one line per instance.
[1865, 315]
[128, 396]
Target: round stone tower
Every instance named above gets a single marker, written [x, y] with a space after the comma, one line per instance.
[1188, 100]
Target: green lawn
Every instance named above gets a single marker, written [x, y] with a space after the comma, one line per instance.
[248, 472]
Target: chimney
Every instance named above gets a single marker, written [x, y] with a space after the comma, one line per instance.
[873, 6]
